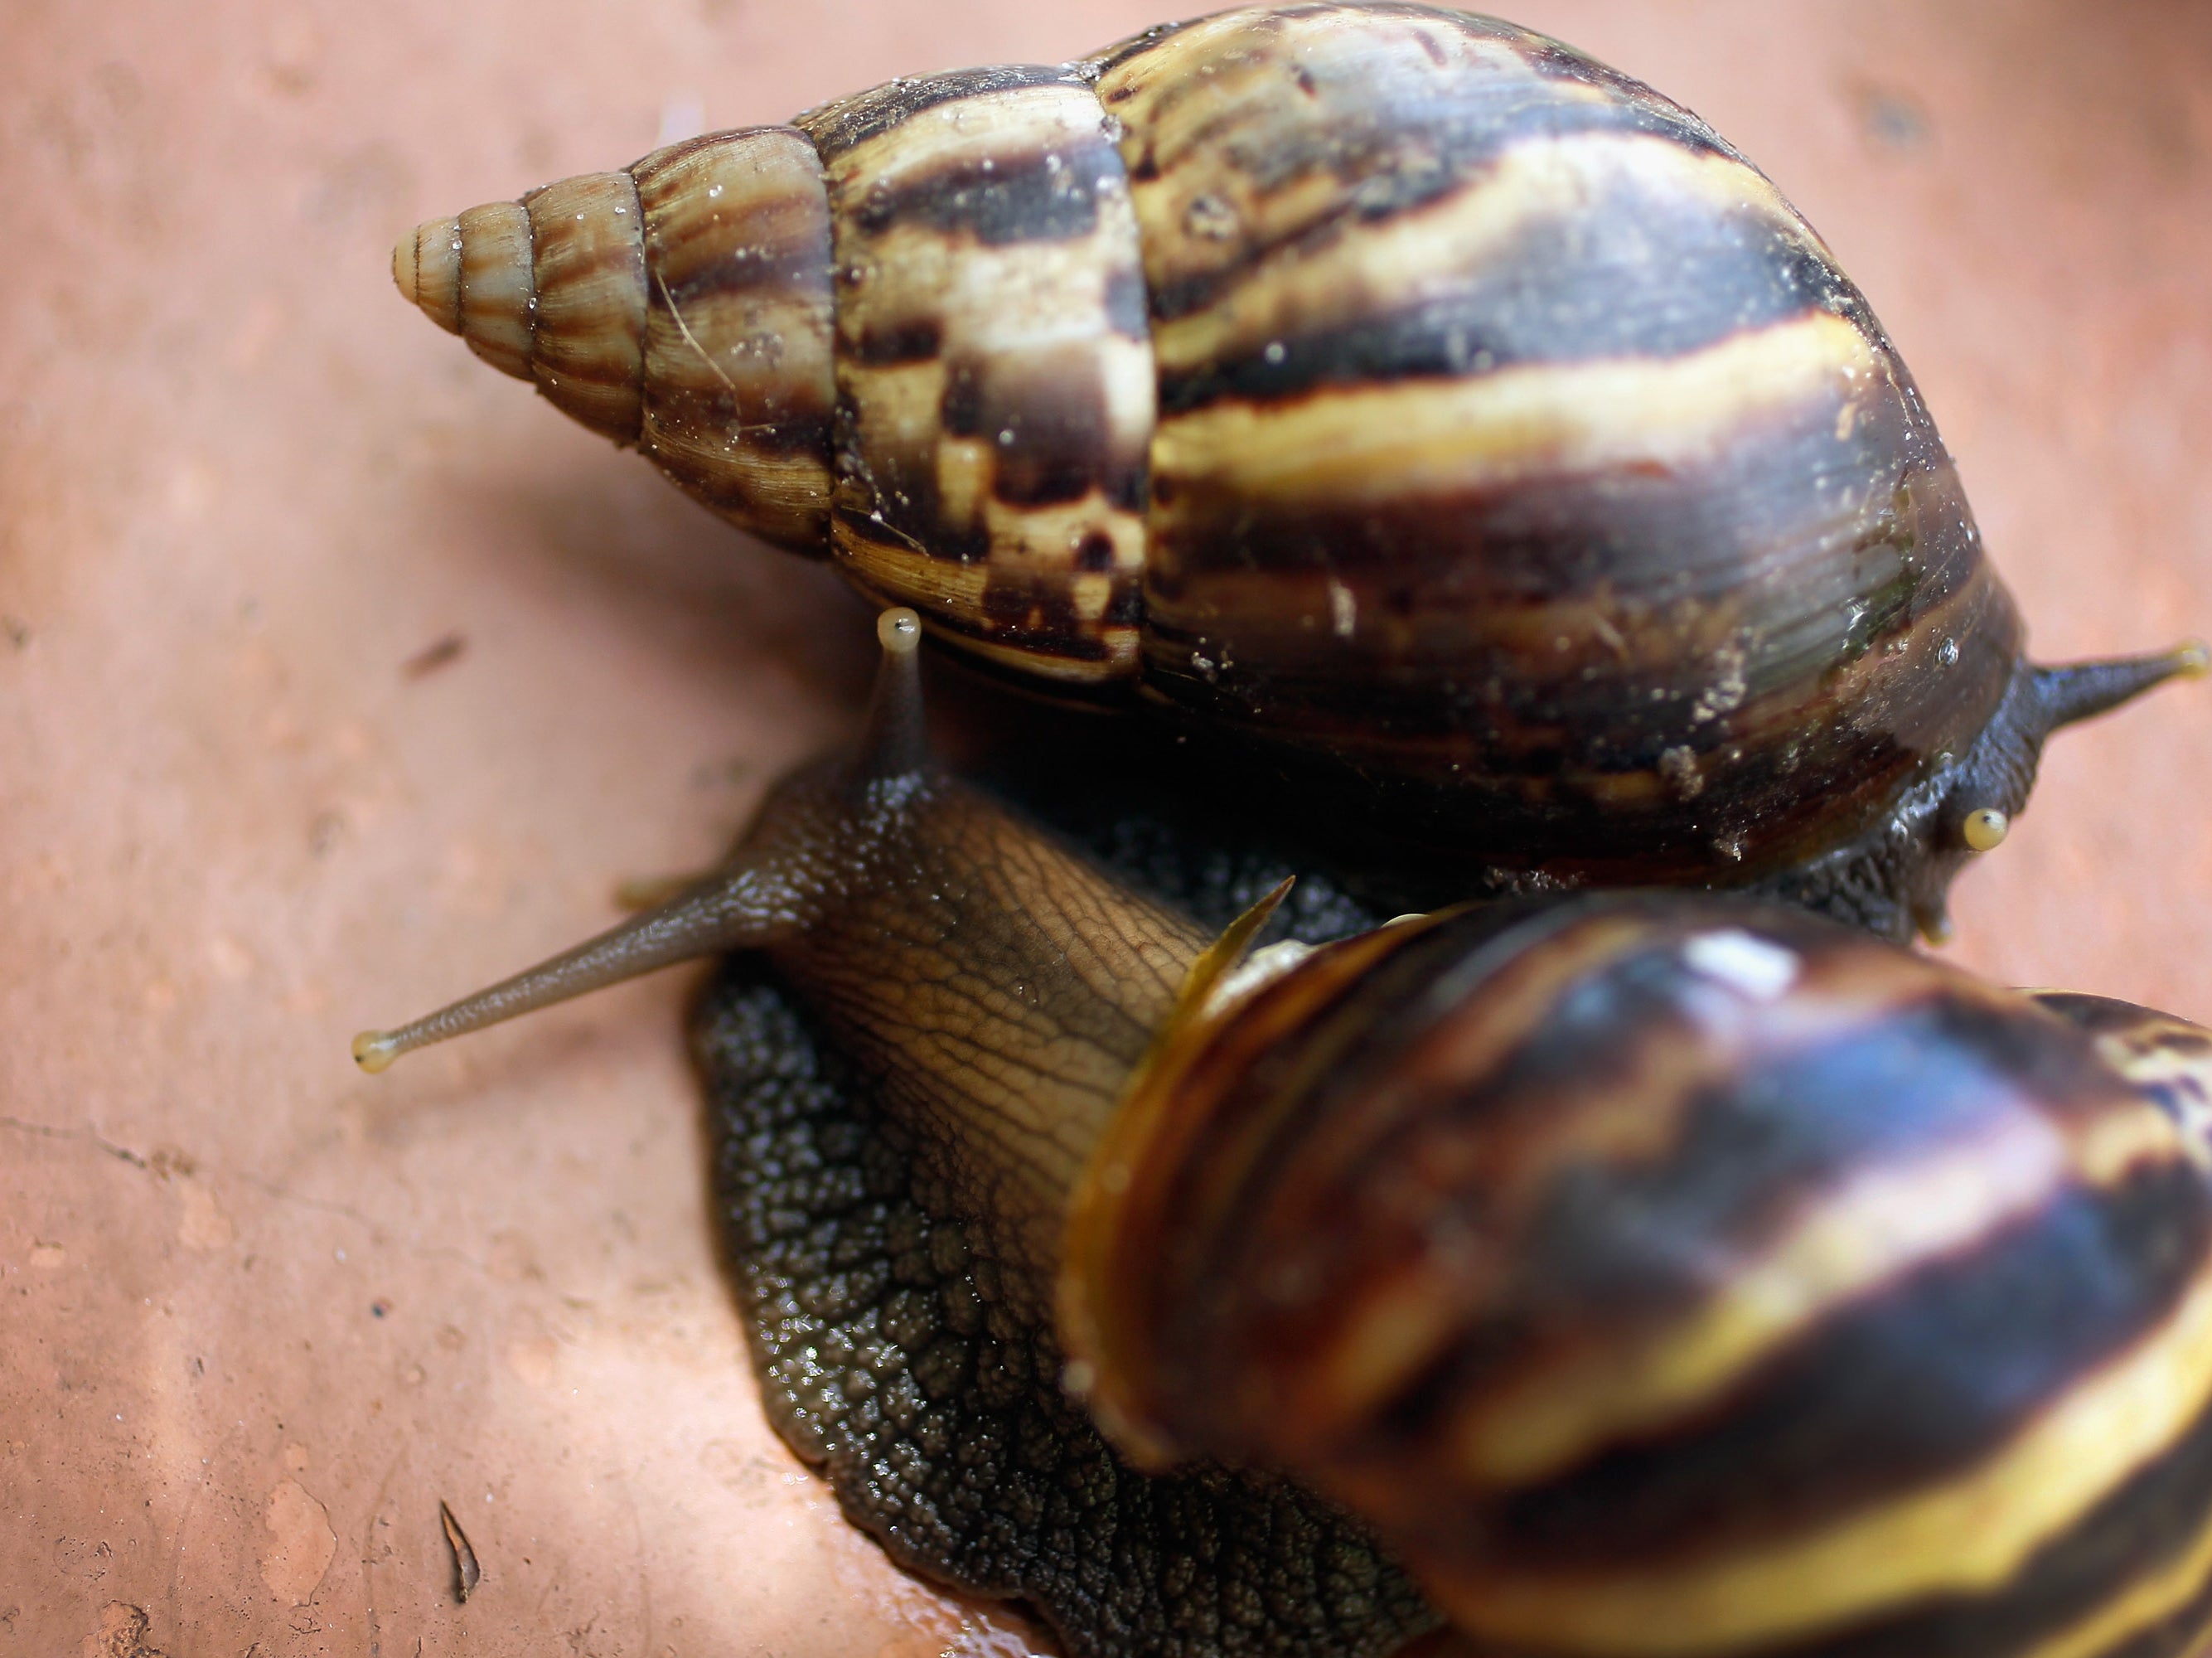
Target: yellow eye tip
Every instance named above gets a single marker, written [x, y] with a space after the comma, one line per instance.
[1984, 831]
[374, 1050]
[899, 630]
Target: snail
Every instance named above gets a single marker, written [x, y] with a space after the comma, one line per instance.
[1447, 420]
[1656, 1273]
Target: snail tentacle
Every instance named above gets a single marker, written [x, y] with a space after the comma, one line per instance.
[2080, 691]
[765, 895]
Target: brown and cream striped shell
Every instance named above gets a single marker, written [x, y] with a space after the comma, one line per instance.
[1675, 1277]
[1428, 406]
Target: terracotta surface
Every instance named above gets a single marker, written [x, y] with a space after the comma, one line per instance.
[261, 1313]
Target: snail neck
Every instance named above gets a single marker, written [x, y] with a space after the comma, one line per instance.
[998, 990]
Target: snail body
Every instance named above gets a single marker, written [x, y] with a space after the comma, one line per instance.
[1657, 1274]
[1456, 423]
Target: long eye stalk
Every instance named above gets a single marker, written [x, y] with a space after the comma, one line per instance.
[751, 905]
[2081, 691]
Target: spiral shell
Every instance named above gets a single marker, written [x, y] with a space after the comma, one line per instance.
[1452, 417]
[1671, 1277]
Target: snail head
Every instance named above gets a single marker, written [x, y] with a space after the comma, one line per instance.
[1966, 809]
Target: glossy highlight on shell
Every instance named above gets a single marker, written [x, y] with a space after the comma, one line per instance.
[1453, 424]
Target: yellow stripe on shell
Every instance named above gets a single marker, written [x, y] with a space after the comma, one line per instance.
[1971, 1536]
[1348, 445]
[2142, 1603]
[900, 407]
[1880, 1225]
[1428, 252]
[1396, 1328]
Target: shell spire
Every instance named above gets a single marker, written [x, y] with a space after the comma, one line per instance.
[682, 305]
[551, 289]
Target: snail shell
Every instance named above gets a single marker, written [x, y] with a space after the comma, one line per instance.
[1668, 1276]
[1400, 393]
[1656, 1274]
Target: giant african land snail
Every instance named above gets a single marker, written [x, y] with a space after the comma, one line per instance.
[1454, 421]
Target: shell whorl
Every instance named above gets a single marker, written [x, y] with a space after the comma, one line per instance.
[1520, 443]
[1457, 426]
[995, 369]
[1686, 1279]
[682, 305]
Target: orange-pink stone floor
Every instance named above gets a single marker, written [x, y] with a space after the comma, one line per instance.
[260, 1314]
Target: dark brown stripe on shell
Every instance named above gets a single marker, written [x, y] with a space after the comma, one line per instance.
[912, 339]
[850, 122]
[1044, 413]
[1631, 272]
[1049, 194]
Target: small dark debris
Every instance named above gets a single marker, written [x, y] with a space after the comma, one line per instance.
[378, 1307]
[17, 630]
[440, 653]
[466, 1572]
[1894, 120]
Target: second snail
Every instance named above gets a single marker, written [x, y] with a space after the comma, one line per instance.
[1653, 1274]
[1449, 425]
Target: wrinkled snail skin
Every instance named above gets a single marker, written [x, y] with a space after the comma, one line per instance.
[1657, 1274]
[1426, 408]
